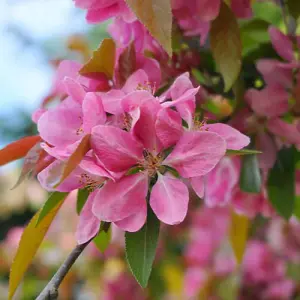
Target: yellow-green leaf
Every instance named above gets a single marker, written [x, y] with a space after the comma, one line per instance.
[238, 235]
[31, 239]
[156, 15]
[75, 159]
[54, 199]
[102, 61]
[226, 45]
[102, 239]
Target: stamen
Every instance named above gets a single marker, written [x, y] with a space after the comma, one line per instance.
[89, 183]
[151, 163]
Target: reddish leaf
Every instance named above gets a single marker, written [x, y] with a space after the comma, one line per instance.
[102, 61]
[17, 149]
[75, 158]
[30, 162]
[127, 64]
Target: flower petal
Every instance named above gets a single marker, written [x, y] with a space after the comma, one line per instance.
[235, 140]
[196, 153]
[281, 43]
[88, 225]
[134, 222]
[119, 200]
[272, 101]
[74, 89]
[198, 185]
[93, 112]
[169, 199]
[168, 127]
[137, 79]
[117, 149]
[112, 101]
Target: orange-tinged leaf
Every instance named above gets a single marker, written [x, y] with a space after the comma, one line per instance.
[75, 159]
[30, 162]
[17, 149]
[31, 239]
[102, 61]
[238, 235]
[226, 45]
[156, 15]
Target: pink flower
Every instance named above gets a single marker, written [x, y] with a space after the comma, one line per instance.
[99, 11]
[261, 265]
[193, 155]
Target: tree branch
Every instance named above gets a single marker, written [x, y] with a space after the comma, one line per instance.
[50, 292]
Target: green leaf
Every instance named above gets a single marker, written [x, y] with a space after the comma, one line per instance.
[297, 207]
[141, 248]
[250, 179]
[82, 196]
[242, 152]
[238, 235]
[31, 240]
[102, 239]
[254, 33]
[267, 11]
[281, 183]
[226, 45]
[52, 201]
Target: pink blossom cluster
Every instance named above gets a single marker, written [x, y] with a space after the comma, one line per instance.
[221, 188]
[271, 106]
[264, 273]
[139, 150]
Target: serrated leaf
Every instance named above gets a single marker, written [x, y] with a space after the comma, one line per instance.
[102, 61]
[141, 249]
[156, 16]
[17, 149]
[242, 152]
[30, 161]
[238, 235]
[31, 239]
[82, 197]
[54, 199]
[281, 183]
[250, 178]
[102, 239]
[74, 159]
[226, 45]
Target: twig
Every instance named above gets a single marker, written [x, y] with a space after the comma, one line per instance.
[50, 292]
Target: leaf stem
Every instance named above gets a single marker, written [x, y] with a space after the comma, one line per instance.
[50, 292]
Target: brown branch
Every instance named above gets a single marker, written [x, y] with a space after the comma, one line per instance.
[50, 292]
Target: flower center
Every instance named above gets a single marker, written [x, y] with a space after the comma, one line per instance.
[89, 183]
[198, 124]
[151, 163]
[127, 122]
[147, 86]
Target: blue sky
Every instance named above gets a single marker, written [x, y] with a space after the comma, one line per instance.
[25, 76]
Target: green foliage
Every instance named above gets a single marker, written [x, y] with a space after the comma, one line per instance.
[102, 239]
[281, 183]
[250, 178]
[82, 197]
[141, 249]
